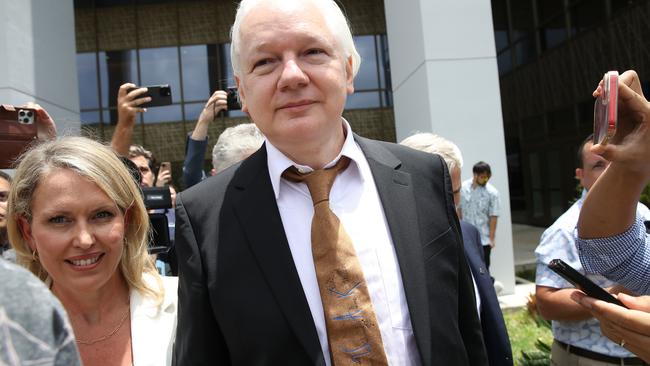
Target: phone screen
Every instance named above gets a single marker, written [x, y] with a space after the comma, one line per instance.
[605, 109]
[581, 282]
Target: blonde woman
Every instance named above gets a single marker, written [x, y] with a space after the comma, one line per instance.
[78, 222]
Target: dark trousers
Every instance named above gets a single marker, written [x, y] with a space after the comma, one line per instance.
[486, 255]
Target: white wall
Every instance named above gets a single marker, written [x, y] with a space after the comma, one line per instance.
[38, 58]
[445, 80]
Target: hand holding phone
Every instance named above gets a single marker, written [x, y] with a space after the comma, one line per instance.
[606, 109]
[18, 129]
[160, 95]
[581, 282]
[164, 174]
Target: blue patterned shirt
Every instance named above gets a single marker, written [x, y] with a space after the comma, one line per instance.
[478, 204]
[558, 242]
[624, 258]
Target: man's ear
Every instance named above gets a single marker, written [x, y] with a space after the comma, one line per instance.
[349, 75]
[579, 174]
[26, 231]
[242, 95]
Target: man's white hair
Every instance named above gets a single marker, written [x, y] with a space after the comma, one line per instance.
[434, 144]
[235, 144]
[334, 17]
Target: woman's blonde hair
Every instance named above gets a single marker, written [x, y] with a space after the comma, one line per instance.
[99, 164]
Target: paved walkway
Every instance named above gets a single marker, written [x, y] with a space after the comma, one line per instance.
[524, 241]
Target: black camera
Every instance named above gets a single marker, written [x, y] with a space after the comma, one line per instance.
[159, 199]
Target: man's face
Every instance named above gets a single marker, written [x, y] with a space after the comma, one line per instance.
[592, 167]
[143, 165]
[4, 194]
[294, 78]
[481, 179]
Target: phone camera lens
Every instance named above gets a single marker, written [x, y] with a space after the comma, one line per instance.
[21, 113]
[29, 114]
[25, 120]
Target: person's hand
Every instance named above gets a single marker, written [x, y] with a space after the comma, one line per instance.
[218, 102]
[128, 103]
[629, 328]
[45, 126]
[492, 243]
[630, 146]
[163, 178]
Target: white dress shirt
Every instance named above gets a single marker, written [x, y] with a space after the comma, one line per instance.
[354, 199]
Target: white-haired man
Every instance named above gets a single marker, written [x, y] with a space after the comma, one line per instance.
[379, 278]
[495, 333]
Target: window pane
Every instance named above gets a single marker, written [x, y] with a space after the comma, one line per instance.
[193, 111]
[525, 51]
[115, 69]
[384, 63]
[547, 9]
[362, 100]
[587, 14]
[89, 117]
[504, 60]
[168, 113]
[522, 18]
[367, 76]
[553, 33]
[500, 19]
[160, 66]
[87, 78]
[196, 77]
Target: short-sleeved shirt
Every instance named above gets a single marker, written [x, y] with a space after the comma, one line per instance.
[34, 326]
[478, 203]
[558, 242]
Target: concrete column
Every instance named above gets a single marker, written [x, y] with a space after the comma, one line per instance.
[37, 58]
[445, 80]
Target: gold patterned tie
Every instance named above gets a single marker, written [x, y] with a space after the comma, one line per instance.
[352, 330]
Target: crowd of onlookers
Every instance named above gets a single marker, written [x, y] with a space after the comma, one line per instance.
[309, 244]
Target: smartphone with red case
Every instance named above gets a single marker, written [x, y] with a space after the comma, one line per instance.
[17, 132]
[606, 109]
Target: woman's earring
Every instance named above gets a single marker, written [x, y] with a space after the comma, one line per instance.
[35, 256]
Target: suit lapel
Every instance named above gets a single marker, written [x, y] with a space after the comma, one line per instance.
[398, 200]
[258, 211]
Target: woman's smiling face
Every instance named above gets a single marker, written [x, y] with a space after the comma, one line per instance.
[76, 229]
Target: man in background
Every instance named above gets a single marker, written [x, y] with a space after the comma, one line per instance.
[577, 336]
[480, 206]
[495, 334]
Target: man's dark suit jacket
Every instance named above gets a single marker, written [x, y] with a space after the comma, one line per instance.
[495, 333]
[240, 298]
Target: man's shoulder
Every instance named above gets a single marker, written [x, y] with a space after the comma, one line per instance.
[410, 159]
[491, 189]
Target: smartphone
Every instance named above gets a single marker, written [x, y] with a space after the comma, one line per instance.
[581, 282]
[605, 109]
[233, 99]
[17, 132]
[165, 165]
[161, 95]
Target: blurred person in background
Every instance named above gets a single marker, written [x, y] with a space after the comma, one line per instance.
[5, 184]
[34, 326]
[577, 336]
[77, 221]
[495, 334]
[480, 206]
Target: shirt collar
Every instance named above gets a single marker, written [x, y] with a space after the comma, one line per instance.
[278, 162]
